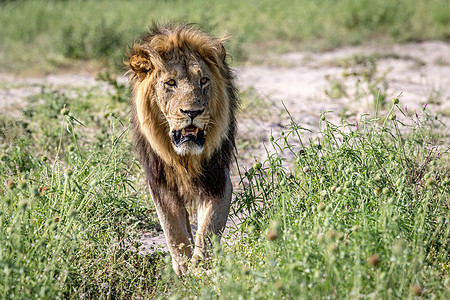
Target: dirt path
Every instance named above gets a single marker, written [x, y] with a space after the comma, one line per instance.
[307, 84]
[420, 72]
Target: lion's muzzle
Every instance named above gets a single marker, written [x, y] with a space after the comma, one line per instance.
[192, 113]
[188, 134]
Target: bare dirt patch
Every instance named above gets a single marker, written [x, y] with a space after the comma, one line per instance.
[311, 83]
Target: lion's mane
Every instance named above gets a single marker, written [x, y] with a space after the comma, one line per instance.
[153, 145]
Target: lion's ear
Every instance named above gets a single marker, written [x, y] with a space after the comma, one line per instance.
[221, 53]
[140, 62]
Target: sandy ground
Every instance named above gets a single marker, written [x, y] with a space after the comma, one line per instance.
[307, 83]
[418, 72]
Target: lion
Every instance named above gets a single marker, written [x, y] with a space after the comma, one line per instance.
[184, 102]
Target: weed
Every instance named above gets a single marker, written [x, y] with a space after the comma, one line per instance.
[361, 211]
[356, 216]
[69, 211]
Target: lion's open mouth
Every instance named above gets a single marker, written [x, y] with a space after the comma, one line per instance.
[188, 134]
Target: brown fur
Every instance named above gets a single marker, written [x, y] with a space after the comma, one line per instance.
[191, 179]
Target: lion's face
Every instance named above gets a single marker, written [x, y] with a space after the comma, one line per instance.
[183, 92]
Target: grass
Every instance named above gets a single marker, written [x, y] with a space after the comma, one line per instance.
[363, 212]
[359, 211]
[70, 211]
[41, 35]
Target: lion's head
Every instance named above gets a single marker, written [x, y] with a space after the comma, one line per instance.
[183, 93]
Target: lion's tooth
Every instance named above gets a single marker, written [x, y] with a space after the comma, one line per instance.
[196, 131]
[183, 131]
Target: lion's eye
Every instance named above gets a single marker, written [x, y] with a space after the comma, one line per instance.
[204, 80]
[171, 82]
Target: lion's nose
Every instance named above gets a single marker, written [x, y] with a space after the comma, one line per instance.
[192, 113]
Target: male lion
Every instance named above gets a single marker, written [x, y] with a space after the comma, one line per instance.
[184, 103]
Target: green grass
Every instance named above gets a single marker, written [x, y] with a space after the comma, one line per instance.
[363, 212]
[70, 201]
[355, 212]
[39, 36]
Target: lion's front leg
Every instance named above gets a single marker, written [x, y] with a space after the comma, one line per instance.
[174, 218]
[212, 215]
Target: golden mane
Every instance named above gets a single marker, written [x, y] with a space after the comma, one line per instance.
[147, 59]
